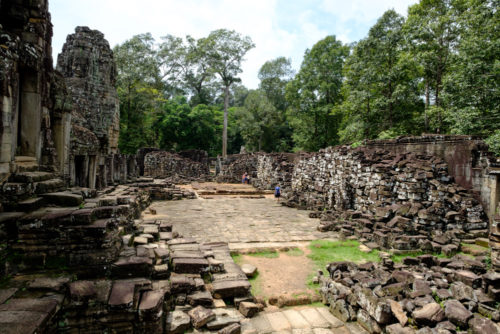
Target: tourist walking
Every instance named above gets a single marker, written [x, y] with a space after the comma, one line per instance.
[277, 193]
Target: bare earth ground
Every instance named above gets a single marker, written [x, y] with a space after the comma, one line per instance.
[283, 275]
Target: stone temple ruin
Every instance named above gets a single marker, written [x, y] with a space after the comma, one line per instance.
[76, 256]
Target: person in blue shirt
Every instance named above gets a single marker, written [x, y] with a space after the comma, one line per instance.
[277, 192]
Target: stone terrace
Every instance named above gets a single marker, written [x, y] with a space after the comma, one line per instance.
[242, 222]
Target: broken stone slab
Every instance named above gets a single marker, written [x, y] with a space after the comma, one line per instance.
[225, 289]
[203, 298]
[182, 284]
[200, 316]
[63, 198]
[122, 295]
[429, 314]
[479, 325]
[82, 291]
[379, 309]
[134, 266]
[151, 304]
[398, 312]
[249, 269]
[57, 284]
[161, 271]
[469, 278]
[364, 319]
[457, 313]
[231, 329]
[5, 294]
[190, 265]
[398, 329]
[248, 309]
[224, 318]
[177, 322]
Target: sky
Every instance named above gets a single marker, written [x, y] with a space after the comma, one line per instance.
[277, 27]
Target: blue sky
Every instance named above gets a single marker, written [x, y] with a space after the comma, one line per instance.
[277, 27]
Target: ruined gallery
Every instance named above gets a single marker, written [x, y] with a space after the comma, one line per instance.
[93, 240]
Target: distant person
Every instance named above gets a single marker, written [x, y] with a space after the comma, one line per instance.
[244, 178]
[277, 193]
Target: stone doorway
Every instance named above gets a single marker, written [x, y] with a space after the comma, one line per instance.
[29, 114]
[80, 171]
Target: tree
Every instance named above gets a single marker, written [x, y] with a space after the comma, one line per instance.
[471, 87]
[258, 120]
[313, 93]
[224, 50]
[380, 90]
[140, 91]
[432, 33]
[274, 75]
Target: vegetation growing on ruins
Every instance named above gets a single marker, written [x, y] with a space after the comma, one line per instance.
[434, 71]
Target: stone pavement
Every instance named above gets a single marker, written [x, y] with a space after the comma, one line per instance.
[238, 221]
[306, 320]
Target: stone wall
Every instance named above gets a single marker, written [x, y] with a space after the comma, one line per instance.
[468, 159]
[160, 164]
[232, 168]
[275, 169]
[28, 98]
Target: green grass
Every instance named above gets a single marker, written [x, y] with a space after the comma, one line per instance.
[256, 283]
[237, 258]
[295, 252]
[266, 254]
[324, 252]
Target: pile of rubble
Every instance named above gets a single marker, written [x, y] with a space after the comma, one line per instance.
[234, 166]
[397, 201]
[160, 164]
[433, 295]
[275, 169]
[98, 269]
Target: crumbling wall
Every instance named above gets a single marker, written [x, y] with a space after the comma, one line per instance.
[275, 169]
[232, 168]
[160, 164]
[468, 159]
[399, 200]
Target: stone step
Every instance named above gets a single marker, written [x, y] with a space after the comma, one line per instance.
[31, 177]
[48, 186]
[134, 266]
[26, 164]
[31, 204]
[65, 199]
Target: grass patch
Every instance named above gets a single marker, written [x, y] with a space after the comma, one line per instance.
[256, 283]
[237, 258]
[295, 252]
[397, 258]
[324, 252]
[266, 254]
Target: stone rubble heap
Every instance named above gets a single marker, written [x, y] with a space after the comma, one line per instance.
[234, 166]
[424, 294]
[125, 274]
[160, 164]
[396, 201]
[275, 169]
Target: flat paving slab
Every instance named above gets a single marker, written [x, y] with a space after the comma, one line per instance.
[238, 221]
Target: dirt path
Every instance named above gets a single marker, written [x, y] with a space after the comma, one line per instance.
[283, 275]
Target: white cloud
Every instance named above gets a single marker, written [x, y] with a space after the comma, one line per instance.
[260, 19]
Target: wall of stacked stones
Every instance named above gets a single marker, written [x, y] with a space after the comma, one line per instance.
[234, 166]
[162, 164]
[384, 184]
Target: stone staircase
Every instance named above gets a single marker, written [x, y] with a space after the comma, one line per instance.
[305, 320]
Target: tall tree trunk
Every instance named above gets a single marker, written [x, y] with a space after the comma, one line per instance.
[427, 103]
[224, 131]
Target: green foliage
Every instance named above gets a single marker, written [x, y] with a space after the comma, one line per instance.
[265, 254]
[494, 142]
[313, 93]
[295, 252]
[324, 252]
